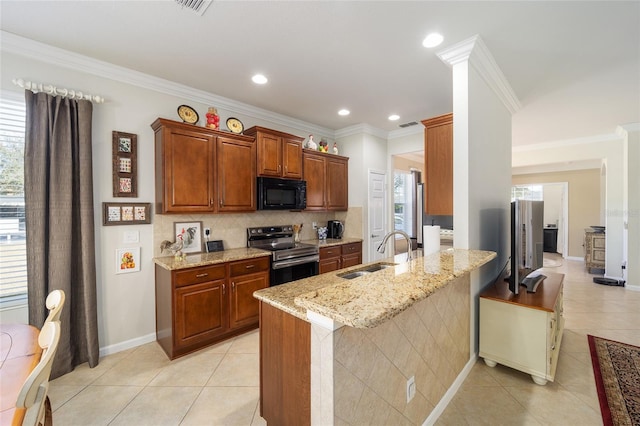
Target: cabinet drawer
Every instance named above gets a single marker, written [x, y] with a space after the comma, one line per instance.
[199, 275]
[329, 252]
[250, 266]
[351, 248]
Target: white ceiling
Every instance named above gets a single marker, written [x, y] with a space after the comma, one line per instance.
[575, 66]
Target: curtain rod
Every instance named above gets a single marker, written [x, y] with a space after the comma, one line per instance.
[53, 90]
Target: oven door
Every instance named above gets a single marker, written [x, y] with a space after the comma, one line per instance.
[294, 269]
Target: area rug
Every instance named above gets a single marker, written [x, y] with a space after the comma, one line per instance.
[616, 367]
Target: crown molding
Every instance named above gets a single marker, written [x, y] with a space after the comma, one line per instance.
[610, 137]
[21, 46]
[478, 55]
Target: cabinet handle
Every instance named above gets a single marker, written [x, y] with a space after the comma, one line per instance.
[202, 275]
[279, 167]
[250, 266]
[220, 202]
[233, 286]
[211, 202]
[223, 288]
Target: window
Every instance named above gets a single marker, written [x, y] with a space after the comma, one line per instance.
[403, 201]
[527, 192]
[13, 254]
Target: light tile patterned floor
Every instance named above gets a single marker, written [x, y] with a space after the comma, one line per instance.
[219, 385]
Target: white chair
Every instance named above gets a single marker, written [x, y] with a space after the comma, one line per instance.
[33, 395]
[55, 302]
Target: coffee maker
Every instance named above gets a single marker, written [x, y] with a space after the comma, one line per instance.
[335, 229]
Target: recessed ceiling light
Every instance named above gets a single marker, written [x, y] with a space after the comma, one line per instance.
[344, 112]
[432, 40]
[394, 117]
[259, 79]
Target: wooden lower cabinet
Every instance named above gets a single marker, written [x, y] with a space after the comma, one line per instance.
[340, 256]
[523, 331]
[285, 368]
[199, 306]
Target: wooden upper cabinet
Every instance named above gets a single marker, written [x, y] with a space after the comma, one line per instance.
[278, 154]
[438, 159]
[184, 168]
[337, 188]
[236, 177]
[316, 176]
[327, 177]
[200, 170]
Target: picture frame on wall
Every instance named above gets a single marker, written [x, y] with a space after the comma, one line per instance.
[125, 164]
[126, 213]
[127, 260]
[191, 236]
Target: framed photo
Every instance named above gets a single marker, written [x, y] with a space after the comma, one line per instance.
[125, 164]
[127, 260]
[191, 235]
[126, 213]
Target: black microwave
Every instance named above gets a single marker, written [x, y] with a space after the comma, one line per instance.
[281, 194]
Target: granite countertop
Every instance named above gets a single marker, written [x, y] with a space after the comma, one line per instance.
[204, 259]
[370, 300]
[334, 242]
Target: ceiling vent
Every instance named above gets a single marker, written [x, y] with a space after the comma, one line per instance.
[198, 6]
[409, 124]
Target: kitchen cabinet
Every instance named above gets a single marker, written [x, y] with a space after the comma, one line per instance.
[236, 177]
[523, 331]
[594, 249]
[337, 257]
[199, 306]
[438, 159]
[278, 154]
[246, 276]
[200, 170]
[327, 177]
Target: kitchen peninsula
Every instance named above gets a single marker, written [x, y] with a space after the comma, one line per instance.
[334, 350]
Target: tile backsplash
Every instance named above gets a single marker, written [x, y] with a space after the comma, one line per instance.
[232, 228]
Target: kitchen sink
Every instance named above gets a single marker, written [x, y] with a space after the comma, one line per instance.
[366, 270]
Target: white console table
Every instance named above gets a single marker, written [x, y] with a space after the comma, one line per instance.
[523, 331]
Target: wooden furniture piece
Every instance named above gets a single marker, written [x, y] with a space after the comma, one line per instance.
[285, 368]
[20, 353]
[55, 303]
[196, 307]
[33, 397]
[327, 177]
[438, 160]
[523, 331]
[278, 154]
[337, 257]
[200, 170]
[594, 249]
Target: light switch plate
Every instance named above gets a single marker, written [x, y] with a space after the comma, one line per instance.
[131, 237]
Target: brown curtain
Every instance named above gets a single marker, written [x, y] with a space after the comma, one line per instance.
[58, 186]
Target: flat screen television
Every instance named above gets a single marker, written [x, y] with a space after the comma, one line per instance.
[527, 240]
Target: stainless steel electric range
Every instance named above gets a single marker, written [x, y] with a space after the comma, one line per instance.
[290, 261]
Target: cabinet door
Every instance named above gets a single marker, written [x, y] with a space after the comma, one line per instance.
[329, 259]
[438, 153]
[291, 158]
[351, 254]
[184, 170]
[269, 155]
[236, 177]
[244, 309]
[337, 184]
[315, 175]
[200, 313]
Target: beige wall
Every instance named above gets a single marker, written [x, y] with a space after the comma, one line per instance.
[584, 201]
[400, 163]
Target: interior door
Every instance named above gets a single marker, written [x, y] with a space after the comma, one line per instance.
[377, 214]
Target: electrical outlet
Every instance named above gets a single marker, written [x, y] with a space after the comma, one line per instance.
[411, 388]
[207, 232]
[314, 225]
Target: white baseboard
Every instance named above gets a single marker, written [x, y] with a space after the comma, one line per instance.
[128, 344]
[451, 392]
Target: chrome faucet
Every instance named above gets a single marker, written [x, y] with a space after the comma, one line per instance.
[383, 244]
